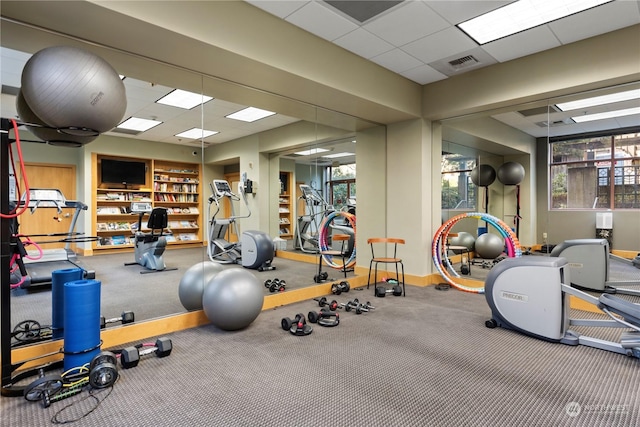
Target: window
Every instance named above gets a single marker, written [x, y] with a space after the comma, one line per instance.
[458, 191]
[342, 186]
[600, 172]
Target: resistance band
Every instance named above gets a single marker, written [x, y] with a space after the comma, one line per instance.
[323, 239]
[81, 322]
[439, 251]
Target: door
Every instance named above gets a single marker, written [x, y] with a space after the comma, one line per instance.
[47, 220]
[238, 207]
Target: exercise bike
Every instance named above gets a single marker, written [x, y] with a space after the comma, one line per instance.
[149, 247]
[589, 264]
[255, 249]
[531, 295]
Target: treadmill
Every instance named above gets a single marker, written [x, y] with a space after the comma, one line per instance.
[39, 271]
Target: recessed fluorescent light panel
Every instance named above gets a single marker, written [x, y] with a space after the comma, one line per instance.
[310, 152]
[196, 133]
[138, 124]
[250, 114]
[522, 15]
[183, 99]
[607, 115]
[338, 155]
[599, 100]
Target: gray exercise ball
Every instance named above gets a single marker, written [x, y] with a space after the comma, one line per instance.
[232, 299]
[483, 175]
[68, 87]
[511, 173]
[47, 134]
[193, 281]
[463, 239]
[489, 246]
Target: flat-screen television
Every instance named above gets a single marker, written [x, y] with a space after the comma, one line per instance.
[123, 172]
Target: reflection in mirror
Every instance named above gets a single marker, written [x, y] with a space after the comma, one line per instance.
[588, 144]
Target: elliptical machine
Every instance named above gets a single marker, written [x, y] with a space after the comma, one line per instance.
[258, 247]
[149, 247]
[308, 226]
[589, 264]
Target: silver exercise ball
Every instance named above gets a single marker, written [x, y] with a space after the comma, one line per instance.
[51, 136]
[489, 246]
[511, 173]
[193, 282]
[232, 299]
[483, 175]
[463, 239]
[67, 87]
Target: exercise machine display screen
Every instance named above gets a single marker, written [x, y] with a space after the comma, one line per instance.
[222, 187]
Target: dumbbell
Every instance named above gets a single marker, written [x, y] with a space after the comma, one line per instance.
[338, 288]
[333, 305]
[381, 291]
[367, 305]
[130, 356]
[318, 278]
[324, 318]
[298, 326]
[355, 305]
[125, 317]
[275, 285]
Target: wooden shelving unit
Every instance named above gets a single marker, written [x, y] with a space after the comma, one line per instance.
[285, 206]
[173, 185]
[176, 186]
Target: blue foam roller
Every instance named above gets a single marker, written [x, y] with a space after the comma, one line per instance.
[81, 322]
[58, 279]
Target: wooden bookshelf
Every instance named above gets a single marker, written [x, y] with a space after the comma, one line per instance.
[285, 206]
[172, 185]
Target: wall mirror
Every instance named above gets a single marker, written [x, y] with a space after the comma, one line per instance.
[577, 134]
[260, 150]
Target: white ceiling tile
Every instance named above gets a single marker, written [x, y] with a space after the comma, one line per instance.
[423, 74]
[396, 60]
[280, 8]
[363, 43]
[439, 45]
[321, 21]
[404, 24]
[628, 121]
[599, 20]
[522, 44]
[457, 11]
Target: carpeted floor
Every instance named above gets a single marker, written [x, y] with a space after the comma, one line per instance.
[423, 360]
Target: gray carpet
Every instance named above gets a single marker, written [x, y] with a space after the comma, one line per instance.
[423, 360]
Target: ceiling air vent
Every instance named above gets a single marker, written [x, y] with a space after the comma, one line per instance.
[464, 62]
[554, 123]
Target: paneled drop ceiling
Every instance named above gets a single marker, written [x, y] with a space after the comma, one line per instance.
[416, 39]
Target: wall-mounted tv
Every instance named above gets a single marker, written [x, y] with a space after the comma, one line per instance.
[123, 172]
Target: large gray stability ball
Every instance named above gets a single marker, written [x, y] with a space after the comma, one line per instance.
[232, 299]
[67, 87]
[489, 246]
[47, 134]
[193, 282]
[511, 173]
[463, 239]
[483, 175]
